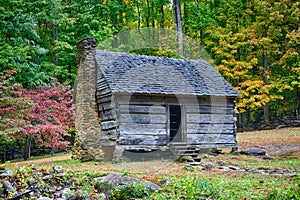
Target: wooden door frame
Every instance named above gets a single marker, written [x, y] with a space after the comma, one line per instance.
[183, 126]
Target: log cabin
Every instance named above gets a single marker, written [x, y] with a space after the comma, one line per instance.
[127, 102]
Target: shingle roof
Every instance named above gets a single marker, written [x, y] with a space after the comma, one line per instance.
[128, 73]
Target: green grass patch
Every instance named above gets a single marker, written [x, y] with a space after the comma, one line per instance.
[227, 187]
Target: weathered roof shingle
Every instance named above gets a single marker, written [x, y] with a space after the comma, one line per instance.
[128, 73]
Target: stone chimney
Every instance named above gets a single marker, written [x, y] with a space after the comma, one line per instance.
[87, 140]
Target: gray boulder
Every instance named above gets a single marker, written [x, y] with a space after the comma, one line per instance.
[109, 182]
[253, 152]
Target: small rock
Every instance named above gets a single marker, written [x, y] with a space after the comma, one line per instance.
[233, 167]
[7, 173]
[195, 163]
[247, 169]
[254, 152]
[220, 162]
[277, 175]
[101, 196]
[267, 158]
[58, 169]
[205, 156]
[40, 174]
[31, 181]
[261, 172]
[60, 174]
[209, 166]
[59, 188]
[7, 185]
[47, 177]
[223, 168]
[66, 193]
[166, 181]
[291, 175]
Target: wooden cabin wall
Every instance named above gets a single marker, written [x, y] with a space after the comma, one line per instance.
[106, 111]
[211, 122]
[142, 122]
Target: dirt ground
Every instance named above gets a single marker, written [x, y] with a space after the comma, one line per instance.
[278, 142]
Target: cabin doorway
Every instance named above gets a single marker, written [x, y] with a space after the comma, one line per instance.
[175, 121]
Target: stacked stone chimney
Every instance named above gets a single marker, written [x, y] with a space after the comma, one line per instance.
[87, 141]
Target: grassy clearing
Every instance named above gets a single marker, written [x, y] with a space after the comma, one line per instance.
[204, 184]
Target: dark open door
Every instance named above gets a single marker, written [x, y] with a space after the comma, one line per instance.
[175, 123]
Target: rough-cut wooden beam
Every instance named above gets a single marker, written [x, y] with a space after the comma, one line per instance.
[108, 125]
[108, 115]
[143, 109]
[104, 99]
[209, 118]
[158, 99]
[210, 138]
[141, 128]
[142, 118]
[208, 109]
[142, 139]
[104, 92]
[106, 106]
[210, 128]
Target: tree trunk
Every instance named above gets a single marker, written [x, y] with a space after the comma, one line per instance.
[27, 147]
[178, 24]
[266, 78]
[55, 38]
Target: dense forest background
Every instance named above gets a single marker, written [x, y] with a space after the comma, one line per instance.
[253, 43]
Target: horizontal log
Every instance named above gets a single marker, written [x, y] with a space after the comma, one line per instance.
[186, 100]
[108, 115]
[104, 92]
[102, 87]
[134, 130]
[141, 127]
[112, 132]
[209, 118]
[104, 99]
[142, 109]
[192, 109]
[210, 128]
[142, 140]
[107, 125]
[143, 118]
[145, 100]
[211, 139]
[106, 106]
